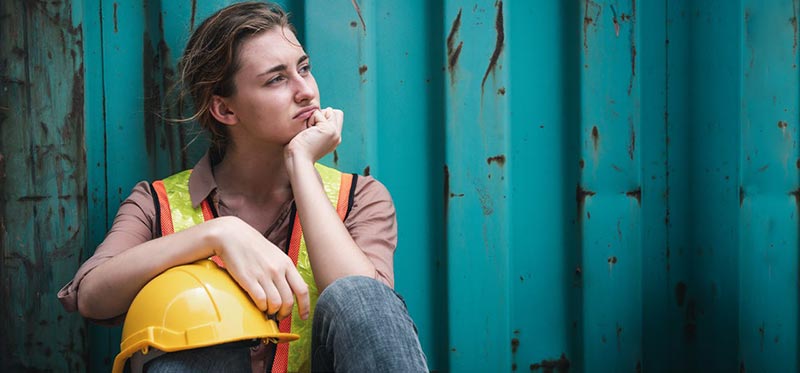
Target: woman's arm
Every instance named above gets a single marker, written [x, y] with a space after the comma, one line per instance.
[332, 251]
[257, 265]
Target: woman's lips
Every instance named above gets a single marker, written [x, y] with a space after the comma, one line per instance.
[305, 113]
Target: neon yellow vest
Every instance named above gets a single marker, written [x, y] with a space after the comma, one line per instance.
[175, 213]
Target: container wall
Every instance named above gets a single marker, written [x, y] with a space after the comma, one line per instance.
[580, 185]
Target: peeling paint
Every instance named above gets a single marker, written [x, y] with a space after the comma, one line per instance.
[637, 194]
[500, 160]
[595, 137]
[116, 29]
[499, 42]
[362, 69]
[194, 13]
[560, 365]
[453, 53]
[587, 21]
[360, 17]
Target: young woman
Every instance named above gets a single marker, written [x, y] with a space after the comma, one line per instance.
[253, 90]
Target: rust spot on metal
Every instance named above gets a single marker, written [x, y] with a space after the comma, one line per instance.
[514, 367]
[353, 24]
[194, 12]
[32, 198]
[690, 325]
[335, 157]
[614, 19]
[358, 11]
[366, 171]
[741, 196]
[763, 168]
[633, 66]
[581, 164]
[612, 260]
[796, 194]
[453, 52]
[514, 345]
[446, 191]
[636, 193]
[793, 21]
[782, 125]
[632, 145]
[680, 293]
[499, 42]
[560, 365]
[456, 195]
[501, 91]
[587, 20]
[595, 137]
[499, 159]
[116, 29]
[362, 70]
[581, 195]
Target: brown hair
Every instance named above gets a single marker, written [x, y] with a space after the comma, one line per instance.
[210, 59]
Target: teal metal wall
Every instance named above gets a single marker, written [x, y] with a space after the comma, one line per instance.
[580, 185]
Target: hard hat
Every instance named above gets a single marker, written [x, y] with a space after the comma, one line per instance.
[191, 306]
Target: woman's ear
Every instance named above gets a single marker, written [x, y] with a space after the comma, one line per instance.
[222, 112]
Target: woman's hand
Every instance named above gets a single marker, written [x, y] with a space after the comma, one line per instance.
[260, 268]
[323, 135]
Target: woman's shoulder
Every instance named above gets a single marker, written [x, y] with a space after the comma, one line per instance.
[368, 188]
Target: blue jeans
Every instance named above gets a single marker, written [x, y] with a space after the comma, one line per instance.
[360, 325]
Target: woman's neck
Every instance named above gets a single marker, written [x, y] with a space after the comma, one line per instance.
[258, 176]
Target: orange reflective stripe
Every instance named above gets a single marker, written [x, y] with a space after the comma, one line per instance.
[281, 362]
[344, 195]
[166, 214]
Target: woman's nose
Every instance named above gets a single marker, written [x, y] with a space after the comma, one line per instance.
[304, 89]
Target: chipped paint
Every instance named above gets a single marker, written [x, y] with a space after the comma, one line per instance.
[360, 17]
[453, 52]
[499, 43]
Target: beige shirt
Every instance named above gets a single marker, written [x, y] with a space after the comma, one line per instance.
[371, 223]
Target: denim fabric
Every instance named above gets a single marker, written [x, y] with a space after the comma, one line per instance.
[362, 325]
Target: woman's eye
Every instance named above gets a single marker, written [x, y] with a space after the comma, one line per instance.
[274, 80]
[305, 68]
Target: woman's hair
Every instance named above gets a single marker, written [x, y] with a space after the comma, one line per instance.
[211, 58]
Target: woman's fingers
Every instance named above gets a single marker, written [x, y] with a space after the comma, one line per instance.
[274, 299]
[300, 289]
[287, 300]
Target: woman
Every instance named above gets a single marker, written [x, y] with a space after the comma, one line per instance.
[252, 86]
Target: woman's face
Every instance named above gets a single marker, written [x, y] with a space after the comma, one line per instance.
[275, 91]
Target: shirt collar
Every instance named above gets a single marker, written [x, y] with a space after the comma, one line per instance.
[201, 181]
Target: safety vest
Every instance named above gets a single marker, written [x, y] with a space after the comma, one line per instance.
[174, 213]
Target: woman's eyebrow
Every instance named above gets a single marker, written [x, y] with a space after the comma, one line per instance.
[283, 67]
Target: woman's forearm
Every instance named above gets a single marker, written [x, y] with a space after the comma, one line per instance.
[331, 249]
[108, 290]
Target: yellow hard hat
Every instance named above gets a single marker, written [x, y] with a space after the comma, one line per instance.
[191, 306]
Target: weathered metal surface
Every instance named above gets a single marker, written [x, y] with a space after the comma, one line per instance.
[580, 186]
[43, 184]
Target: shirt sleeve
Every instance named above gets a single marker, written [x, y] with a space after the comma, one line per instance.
[373, 225]
[133, 225]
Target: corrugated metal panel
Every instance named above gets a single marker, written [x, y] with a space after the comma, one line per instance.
[593, 185]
